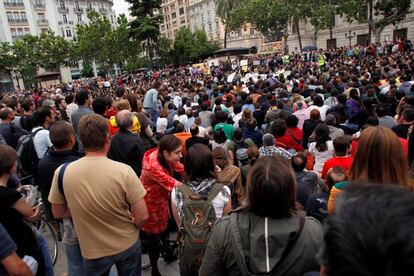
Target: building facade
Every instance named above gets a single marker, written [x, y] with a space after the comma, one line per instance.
[21, 17]
[175, 17]
[345, 33]
[202, 16]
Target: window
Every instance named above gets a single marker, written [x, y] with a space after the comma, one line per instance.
[62, 4]
[331, 43]
[23, 16]
[63, 32]
[68, 33]
[397, 34]
[180, 2]
[181, 11]
[173, 15]
[79, 17]
[44, 30]
[41, 16]
[26, 31]
[363, 40]
[182, 21]
[172, 7]
[251, 31]
[293, 27]
[65, 19]
[10, 17]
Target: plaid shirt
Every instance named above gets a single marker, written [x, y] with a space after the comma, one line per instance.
[272, 151]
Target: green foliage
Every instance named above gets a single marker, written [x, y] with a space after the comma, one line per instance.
[271, 18]
[87, 70]
[190, 47]
[7, 58]
[145, 28]
[384, 12]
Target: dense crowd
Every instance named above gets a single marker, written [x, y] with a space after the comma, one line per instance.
[295, 164]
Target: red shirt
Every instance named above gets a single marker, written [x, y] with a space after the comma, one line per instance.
[345, 162]
[288, 142]
[404, 144]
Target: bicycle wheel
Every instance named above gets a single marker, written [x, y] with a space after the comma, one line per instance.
[47, 231]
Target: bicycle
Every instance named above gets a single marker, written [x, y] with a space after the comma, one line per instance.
[32, 196]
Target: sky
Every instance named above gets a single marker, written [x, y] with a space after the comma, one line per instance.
[121, 6]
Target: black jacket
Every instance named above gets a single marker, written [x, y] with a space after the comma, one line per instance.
[49, 163]
[128, 148]
[11, 133]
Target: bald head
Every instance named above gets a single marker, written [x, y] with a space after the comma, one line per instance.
[6, 114]
[124, 119]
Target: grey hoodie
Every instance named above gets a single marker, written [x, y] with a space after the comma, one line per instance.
[254, 245]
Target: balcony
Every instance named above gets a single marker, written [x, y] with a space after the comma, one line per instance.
[17, 36]
[42, 22]
[103, 10]
[15, 22]
[14, 5]
[63, 9]
[39, 6]
[65, 23]
[78, 10]
[89, 9]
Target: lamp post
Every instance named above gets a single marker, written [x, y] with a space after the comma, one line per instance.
[350, 35]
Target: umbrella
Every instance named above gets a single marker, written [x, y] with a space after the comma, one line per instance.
[309, 48]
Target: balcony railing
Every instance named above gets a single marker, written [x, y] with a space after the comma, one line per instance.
[13, 4]
[63, 9]
[88, 9]
[63, 23]
[17, 36]
[17, 21]
[39, 6]
[42, 22]
[78, 10]
[103, 10]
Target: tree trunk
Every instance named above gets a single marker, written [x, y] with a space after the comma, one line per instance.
[370, 19]
[225, 38]
[377, 34]
[149, 52]
[315, 36]
[298, 32]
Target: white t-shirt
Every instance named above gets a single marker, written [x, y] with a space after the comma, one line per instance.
[218, 202]
[321, 157]
[181, 118]
[41, 142]
[162, 125]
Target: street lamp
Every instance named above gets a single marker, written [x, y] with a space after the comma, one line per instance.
[350, 35]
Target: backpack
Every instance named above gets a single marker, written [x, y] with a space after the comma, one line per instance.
[241, 153]
[195, 227]
[27, 159]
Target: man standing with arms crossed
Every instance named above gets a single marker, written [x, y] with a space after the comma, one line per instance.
[98, 194]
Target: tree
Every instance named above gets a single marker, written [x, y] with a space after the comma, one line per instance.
[190, 46]
[273, 23]
[224, 9]
[53, 51]
[321, 15]
[377, 14]
[7, 58]
[145, 28]
[27, 59]
[91, 40]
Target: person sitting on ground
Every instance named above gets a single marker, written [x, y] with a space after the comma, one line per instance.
[342, 158]
[269, 148]
[306, 182]
[195, 139]
[230, 175]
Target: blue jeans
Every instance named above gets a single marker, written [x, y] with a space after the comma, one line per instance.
[75, 260]
[42, 244]
[128, 263]
[154, 114]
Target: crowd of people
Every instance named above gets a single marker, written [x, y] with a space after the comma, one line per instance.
[296, 164]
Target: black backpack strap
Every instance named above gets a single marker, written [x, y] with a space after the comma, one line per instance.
[293, 239]
[60, 178]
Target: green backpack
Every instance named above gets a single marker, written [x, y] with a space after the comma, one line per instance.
[195, 229]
